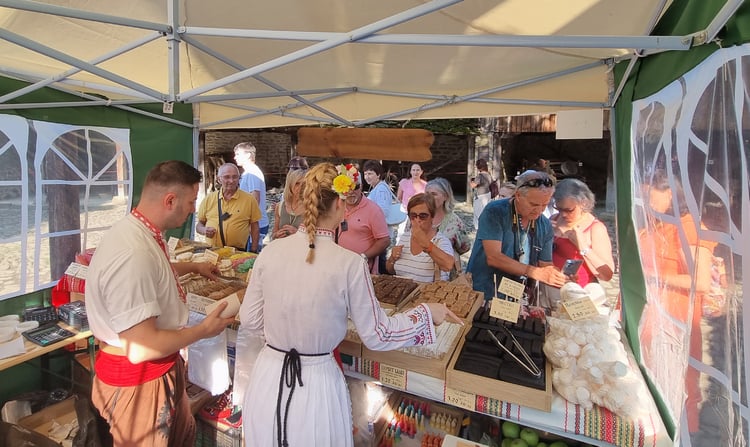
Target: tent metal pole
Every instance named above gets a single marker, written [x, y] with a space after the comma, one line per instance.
[353, 35]
[623, 81]
[555, 41]
[173, 50]
[721, 19]
[61, 76]
[33, 77]
[277, 94]
[62, 11]
[266, 81]
[456, 99]
[75, 62]
[57, 105]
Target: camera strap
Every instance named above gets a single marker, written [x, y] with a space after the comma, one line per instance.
[221, 224]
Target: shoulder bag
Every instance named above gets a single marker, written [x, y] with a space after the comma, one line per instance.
[395, 216]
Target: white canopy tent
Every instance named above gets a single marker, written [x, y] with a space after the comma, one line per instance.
[251, 64]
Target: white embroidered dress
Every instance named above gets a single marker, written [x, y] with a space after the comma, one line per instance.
[291, 304]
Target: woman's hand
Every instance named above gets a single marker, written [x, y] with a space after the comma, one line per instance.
[286, 230]
[420, 238]
[440, 313]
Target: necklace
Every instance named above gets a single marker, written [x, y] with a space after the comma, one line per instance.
[520, 235]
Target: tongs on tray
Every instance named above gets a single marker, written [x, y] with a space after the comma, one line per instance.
[528, 364]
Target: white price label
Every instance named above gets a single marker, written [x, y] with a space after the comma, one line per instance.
[580, 309]
[505, 310]
[392, 376]
[461, 399]
[82, 272]
[72, 269]
[172, 244]
[211, 256]
[513, 289]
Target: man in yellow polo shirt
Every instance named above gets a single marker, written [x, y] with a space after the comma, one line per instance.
[229, 216]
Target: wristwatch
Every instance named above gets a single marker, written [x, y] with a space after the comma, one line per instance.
[584, 252]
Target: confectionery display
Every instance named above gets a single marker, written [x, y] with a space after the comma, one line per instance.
[193, 283]
[416, 422]
[458, 298]
[511, 352]
[446, 335]
[392, 290]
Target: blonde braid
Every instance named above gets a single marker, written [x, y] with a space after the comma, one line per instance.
[317, 195]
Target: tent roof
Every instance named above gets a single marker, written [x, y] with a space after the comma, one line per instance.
[346, 62]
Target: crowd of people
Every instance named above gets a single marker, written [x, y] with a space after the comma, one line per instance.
[330, 236]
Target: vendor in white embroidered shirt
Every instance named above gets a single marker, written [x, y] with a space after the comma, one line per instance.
[422, 253]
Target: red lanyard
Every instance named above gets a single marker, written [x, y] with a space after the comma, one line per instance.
[160, 240]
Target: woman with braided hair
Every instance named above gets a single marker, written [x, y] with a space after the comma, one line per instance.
[294, 315]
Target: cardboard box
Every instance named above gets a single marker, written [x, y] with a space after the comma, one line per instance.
[212, 433]
[497, 389]
[41, 422]
[436, 424]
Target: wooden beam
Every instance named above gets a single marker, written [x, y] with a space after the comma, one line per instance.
[366, 143]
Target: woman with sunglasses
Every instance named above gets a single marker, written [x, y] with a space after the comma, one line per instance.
[579, 234]
[422, 253]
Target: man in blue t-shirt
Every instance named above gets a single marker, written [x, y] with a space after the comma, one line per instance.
[254, 182]
[514, 238]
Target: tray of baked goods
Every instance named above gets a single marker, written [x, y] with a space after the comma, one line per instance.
[459, 297]
[392, 290]
[503, 360]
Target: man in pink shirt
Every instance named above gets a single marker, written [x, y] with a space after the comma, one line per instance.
[363, 230]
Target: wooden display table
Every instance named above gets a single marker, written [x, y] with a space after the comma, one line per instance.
[33, 350]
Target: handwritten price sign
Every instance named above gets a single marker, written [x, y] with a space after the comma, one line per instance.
[580, 309]
[505, 310]
[513, 289]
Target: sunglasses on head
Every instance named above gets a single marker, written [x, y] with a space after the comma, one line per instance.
[538, 182]
[420, 216]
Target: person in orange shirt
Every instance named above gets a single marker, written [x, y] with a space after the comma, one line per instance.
[674, 287]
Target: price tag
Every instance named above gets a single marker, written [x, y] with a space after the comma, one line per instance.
[82, 272]
[580, 309]
[461, 399]
[72, 269]
[172, 243]
[513, 289]
[211, 256]
[505, 310]
[392, 376]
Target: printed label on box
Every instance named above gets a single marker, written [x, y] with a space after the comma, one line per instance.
[461, 399]
[392, 376]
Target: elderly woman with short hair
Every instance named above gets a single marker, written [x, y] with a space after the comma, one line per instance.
[422, 253]
[579, 234]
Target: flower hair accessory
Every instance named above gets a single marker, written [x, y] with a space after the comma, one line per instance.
[346, 181]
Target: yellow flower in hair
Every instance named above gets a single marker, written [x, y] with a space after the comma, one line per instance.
[346, 181]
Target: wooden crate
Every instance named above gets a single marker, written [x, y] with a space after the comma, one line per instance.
[427, 366]
[497, 389]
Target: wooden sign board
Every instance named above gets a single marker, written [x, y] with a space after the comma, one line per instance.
[365, 143]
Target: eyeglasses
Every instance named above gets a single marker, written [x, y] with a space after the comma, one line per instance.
[565, 210]
[420, 216]
[537, 182]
